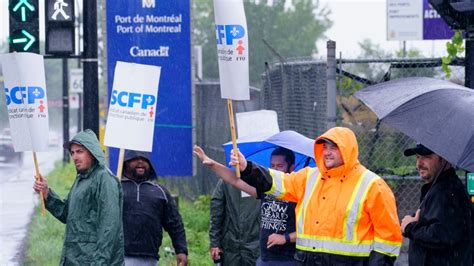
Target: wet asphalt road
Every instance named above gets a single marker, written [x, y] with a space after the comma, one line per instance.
[17, 201]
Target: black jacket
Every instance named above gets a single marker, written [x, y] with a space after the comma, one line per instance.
[442, 234]
[148, 208]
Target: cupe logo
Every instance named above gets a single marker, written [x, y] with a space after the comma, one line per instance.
[229, 33]
[28, 95]
[131, 99]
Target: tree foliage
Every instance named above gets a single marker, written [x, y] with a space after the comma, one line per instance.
[291, 30]
[455, 47]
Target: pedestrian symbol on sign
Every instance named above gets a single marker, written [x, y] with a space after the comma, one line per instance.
[59, 9]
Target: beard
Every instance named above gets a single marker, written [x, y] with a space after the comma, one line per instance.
[140, 177]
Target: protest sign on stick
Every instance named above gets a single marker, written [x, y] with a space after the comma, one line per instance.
[27, 104]
[132, 109]
[232, 56]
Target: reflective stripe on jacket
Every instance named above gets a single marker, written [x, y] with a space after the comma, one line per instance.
[346, 210]
[353, 236]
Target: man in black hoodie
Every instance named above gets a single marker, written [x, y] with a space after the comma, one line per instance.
[148, 208]
[439, 232]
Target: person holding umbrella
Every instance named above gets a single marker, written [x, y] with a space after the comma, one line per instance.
[345, 214]
[440, 230]
[277, 224]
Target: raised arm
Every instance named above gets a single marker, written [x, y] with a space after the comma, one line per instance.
[268, 181]
[226, 174]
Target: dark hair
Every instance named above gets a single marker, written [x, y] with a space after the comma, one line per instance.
[289, 155]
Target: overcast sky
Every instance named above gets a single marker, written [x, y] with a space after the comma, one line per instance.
[354, 21]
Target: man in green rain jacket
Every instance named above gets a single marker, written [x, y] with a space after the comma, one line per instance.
[92, 211]
[235, 226]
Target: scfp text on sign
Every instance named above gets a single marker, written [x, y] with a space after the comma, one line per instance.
[229, 33]
[18, 95]
[129, 99]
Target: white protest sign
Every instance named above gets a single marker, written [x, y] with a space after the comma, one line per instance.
[232, 49]
[132, 108]
[267, 121]
[27, 104]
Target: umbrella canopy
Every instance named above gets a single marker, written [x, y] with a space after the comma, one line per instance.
[259, 148]
[436, 113]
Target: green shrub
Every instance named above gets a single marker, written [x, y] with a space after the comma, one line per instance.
[196, 222]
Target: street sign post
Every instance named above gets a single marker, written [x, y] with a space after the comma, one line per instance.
[24, 26]
[158, 33]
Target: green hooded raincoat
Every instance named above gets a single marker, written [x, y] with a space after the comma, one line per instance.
[92, 212]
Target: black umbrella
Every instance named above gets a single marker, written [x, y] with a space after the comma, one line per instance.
[437, 113]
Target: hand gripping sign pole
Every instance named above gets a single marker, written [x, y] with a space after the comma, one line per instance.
[27, 105]
[232, 53]
[120, 163]
[131, 117]
[37, 171]
[232, 133]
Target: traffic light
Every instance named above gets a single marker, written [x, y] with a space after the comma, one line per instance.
[24, 26]
[59, 24]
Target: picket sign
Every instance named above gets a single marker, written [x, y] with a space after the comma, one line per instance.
[27, 104]
[232, 56]
[132, 109]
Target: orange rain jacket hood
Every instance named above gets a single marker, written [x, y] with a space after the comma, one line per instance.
[346, 141]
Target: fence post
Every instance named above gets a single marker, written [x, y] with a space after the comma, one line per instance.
[469, 59]
[331, 84]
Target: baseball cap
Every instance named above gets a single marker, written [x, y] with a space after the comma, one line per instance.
[325, 140]
[419, 149]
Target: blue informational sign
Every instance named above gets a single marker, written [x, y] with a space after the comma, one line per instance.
[158, 33]
[434, 26]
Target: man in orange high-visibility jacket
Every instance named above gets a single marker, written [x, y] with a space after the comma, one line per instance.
[345, 214]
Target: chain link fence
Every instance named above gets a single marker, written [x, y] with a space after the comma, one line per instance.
[381, 146]
[297, 91]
